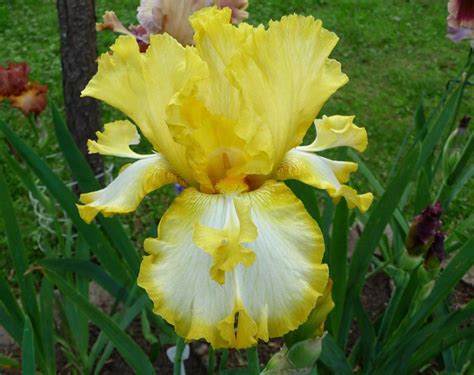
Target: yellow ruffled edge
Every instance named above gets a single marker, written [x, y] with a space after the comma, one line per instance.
[265, 329]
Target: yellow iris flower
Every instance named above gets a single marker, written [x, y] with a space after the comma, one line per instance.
[237, 257]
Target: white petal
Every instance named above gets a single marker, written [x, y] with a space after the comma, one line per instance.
[126, 192]
[271, 297]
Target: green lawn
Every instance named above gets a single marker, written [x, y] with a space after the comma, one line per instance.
[393, 51]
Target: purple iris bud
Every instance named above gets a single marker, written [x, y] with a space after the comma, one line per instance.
[435, 254]
[424, 229]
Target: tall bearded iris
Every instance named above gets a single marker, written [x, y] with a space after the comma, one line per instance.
[237, 257]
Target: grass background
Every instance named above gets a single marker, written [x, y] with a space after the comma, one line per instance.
[394, 51]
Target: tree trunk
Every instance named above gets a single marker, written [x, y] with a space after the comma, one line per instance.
[79, 64]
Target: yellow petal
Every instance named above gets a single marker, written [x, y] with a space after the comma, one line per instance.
[272, 296]
[324, 174]
[217, 41]
[226, 245]
[142, 85]
[116, 140]
[285, 77]
[220, 158]
[336, 131]
[314, 326]
[126, 192]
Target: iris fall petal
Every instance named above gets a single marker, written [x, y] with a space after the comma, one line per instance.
[270, 296]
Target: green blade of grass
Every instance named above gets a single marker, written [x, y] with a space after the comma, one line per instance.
[105, 253]
[127, 348]
[28, 363]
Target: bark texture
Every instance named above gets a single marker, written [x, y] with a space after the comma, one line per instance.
[79, 64]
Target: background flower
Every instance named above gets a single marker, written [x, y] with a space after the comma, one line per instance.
[169, 16]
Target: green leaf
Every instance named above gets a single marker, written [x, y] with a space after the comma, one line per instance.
[180, 345]
[441, 124]
[400, 279]
[448, 279]
[449, 192]
[9, 300]
[334, 358]
[17, 252]
[89, 270]
[28, 364]
[105, 253]
[127, 348]
[11, 325]
[87, 182]
[81, 325]
[422, 195]
[367, 336]
[47, 326]
[455, 270]
[418, 347]
[338, 263]
[252, 360]
[380, 215]
[378, 189]
[304, 354]
[307, 195]
[123, 322]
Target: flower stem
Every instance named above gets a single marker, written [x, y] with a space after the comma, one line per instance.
[224, 359]
[252, 359]
[177, 358]
[211, 360]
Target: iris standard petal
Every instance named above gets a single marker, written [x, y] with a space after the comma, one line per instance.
[116, 140]
[222, 138]
[285, 77]
[323, 174]
[336, 131]
[262, 299]
[126, 192]
[220, 159]
[142, 85]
